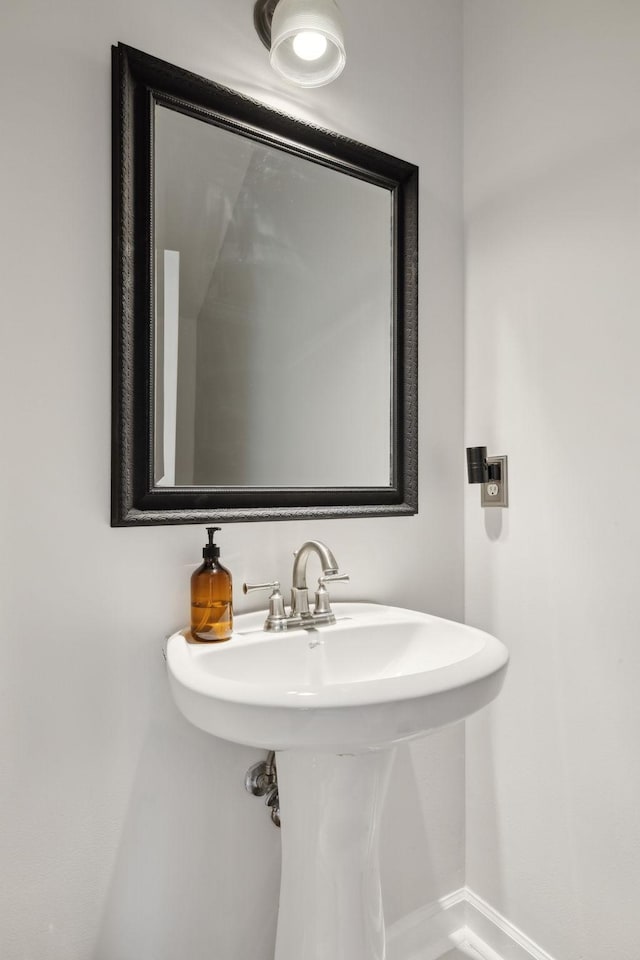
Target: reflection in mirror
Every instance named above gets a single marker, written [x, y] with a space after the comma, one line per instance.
[273, 361]
[264, 310]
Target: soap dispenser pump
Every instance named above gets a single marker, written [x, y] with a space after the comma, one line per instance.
[211, 597]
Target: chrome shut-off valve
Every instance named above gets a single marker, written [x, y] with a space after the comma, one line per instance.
[261, 780]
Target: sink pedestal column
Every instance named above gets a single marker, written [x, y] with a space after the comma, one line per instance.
[330, 897]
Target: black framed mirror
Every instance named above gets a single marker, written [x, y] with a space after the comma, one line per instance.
[264, 310]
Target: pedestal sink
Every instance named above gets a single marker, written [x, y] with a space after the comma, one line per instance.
[333, 702]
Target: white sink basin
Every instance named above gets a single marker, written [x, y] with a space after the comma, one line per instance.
[332, 702]
[378, 676]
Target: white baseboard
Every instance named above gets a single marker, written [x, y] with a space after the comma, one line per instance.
[500, 934]
[464, 920]
[427, 933]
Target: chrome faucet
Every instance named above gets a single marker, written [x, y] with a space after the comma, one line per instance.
[299, 589]
[300, 615]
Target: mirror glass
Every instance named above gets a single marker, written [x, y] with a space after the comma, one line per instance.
[274, 317]
[265, 319]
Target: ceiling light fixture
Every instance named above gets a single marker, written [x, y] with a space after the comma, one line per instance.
[304, 37]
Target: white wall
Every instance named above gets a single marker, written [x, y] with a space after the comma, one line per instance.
[124, 832]
[552, 161]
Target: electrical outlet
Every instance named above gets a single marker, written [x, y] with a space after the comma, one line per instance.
[495, 493]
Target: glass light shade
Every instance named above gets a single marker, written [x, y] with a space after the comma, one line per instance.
[316, 17]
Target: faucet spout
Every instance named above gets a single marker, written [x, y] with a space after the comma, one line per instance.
[299, 592]
[327, 561]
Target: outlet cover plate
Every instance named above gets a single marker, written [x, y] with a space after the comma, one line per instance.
[496, 492]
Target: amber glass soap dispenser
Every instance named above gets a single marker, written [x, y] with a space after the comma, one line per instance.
[211, 597]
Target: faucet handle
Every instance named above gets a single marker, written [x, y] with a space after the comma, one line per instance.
[250, 587]
[277, 613]
[333, 578]
[323, 607]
